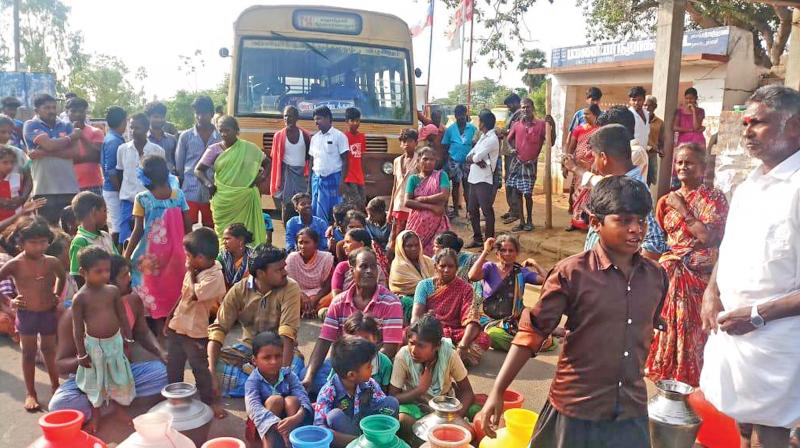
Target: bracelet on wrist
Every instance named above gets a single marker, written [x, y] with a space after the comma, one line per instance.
[81, 358]
[129, 341]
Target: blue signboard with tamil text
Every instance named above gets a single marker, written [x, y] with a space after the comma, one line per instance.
[708, 41]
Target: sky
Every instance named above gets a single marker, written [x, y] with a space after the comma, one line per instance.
[153, 33]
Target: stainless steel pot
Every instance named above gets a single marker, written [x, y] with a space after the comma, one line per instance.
[445, 410]
[673, 423]
[189, 415]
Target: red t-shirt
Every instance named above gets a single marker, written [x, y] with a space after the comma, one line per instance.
[89, 174]
[528, 138]
[358, 144]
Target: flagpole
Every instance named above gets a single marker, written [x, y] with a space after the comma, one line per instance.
[430, 54]
[469, 68]
[461, 74]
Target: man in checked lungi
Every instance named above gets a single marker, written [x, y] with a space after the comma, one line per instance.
[526, 137]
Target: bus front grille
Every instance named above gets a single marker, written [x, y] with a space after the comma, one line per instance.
[377, 144]
[266, 140]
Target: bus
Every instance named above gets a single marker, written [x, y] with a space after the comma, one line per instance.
[309, 56]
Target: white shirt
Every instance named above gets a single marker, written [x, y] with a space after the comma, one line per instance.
[641, 131]
[326, 149]
[127, 162]
[487, 149]
[294, 154]
[639, 158]
[754, 377]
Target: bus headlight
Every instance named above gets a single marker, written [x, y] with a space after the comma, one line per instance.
[387, 168]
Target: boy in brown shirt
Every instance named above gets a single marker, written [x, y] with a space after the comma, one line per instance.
[186, 328]
[612, 297]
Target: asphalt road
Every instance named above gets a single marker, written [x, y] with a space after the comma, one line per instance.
[19, 428]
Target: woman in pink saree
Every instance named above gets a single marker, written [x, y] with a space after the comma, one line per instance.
[428, 192]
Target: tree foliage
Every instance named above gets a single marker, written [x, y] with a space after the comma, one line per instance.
[179, 107]
[102, 82]
[504, 24]
[770, 25]
[534, 58]
[43, 33]
[486, 93]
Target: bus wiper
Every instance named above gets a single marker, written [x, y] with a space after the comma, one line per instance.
[310, 47]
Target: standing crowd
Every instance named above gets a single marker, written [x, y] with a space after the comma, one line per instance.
[124, 259]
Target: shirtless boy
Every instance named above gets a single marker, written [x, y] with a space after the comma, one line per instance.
[39, 279]
[101, 332]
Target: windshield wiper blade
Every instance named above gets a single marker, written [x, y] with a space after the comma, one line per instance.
[308, 45]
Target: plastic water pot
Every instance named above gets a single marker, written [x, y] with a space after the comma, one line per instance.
[62, 429]
[224, 442]
[311, 437]
[512, 399]
[154, 430]
[379, 431]
[518, 430]
[448, 436]
[717, 430]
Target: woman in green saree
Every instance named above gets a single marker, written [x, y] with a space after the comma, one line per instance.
[238, 167]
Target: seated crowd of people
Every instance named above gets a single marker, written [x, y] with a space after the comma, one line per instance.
[117, 283]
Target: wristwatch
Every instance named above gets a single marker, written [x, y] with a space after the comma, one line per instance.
[756, 318]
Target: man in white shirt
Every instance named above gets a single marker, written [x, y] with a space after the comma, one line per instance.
[482, 159]
[752, 303]
[129, 158]
[636, 97]
[328, 159]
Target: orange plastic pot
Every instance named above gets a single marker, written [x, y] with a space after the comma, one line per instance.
[717, 430]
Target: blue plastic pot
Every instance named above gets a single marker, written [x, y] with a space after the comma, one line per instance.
[311, 437]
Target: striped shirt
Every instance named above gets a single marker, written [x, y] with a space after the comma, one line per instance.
[384, 306]
[190, 148]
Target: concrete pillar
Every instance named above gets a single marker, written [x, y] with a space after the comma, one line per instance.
[666, 76]
[793, 58]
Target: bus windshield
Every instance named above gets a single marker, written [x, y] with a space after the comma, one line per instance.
[275, 73]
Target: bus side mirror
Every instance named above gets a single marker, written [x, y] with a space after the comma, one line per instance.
[418, 72]
[224, 53]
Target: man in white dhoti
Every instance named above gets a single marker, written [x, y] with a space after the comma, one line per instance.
[752, 304]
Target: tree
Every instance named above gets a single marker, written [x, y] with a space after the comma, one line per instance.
[504, 23]
[101, 80]
[486, 93]
[179, 107]
[43, 33]
[770, 25]
[529, 59]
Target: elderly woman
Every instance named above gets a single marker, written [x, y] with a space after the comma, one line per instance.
[311, 268]
[238, 167]
[503, 288]
[451, 300]
[409, 267]
[694, 219]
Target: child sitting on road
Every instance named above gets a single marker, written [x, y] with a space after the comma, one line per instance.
[275, 400]
[101, 332]
[305, 218]
[187, 326]
[90, 212]
[367, 327]
[338, 228]
[351, 394]
[39, 280]
[13, 191]
[425, 368]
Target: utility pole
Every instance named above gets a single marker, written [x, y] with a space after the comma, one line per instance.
[16, 36]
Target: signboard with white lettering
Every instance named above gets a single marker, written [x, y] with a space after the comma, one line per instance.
[327, 21]
[708, 41]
